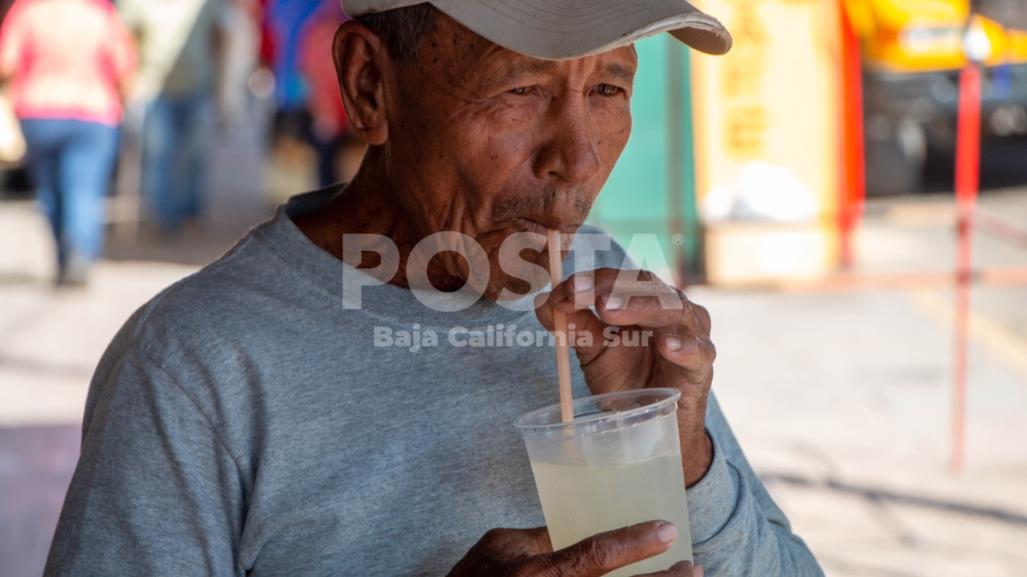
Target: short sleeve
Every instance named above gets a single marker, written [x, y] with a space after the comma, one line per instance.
[155, 492]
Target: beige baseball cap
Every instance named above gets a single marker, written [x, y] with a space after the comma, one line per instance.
[562, 29]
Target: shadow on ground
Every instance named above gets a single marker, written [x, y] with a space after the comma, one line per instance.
[881, 495]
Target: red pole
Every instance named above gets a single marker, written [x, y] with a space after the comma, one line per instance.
[968, 171]
[853, 175]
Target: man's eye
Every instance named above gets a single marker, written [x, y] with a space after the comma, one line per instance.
[524, 91]
[608, 90]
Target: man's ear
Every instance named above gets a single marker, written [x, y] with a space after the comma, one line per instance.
[359, 56]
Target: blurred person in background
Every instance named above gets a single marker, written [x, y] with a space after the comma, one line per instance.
[338, 150]
[287, 21]
[179, 55]
[267, 38]
[70, 63]
[292, 160]
[240, 23]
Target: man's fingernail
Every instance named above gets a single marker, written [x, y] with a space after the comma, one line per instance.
[667, 533]
[674, 344]
[614, 303]
[698, 571]
[583, 283]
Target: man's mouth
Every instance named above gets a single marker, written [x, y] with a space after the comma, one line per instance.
[543, 227]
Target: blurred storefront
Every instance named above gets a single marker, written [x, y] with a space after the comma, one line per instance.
[912, 53]
[752, 168]
[767, 132]
[732, 171]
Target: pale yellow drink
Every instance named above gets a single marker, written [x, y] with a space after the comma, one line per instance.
[617, 464]
[579, 502]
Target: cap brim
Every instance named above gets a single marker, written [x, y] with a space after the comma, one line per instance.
[563, 30]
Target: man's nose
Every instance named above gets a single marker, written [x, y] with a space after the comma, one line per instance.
[569, 153]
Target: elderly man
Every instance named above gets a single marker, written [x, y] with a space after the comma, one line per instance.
[257, 419]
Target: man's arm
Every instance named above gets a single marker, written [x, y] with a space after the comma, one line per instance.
[155, 491]
[737, 528]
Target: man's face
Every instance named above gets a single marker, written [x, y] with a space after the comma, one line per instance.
[488, 143]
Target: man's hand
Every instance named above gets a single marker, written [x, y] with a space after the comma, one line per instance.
[662, 340]
[528, 553]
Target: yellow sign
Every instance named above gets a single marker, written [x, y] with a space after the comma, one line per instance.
[774, 100]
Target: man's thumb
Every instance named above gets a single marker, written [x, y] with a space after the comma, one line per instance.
[606, 552]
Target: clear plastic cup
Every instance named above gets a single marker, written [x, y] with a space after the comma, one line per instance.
[617, 464]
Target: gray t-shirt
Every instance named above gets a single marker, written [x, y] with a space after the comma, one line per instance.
[244, 422]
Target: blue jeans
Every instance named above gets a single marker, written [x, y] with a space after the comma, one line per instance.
[176, 146]
[71, 162]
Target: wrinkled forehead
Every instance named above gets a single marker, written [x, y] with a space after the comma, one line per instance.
[464, 58]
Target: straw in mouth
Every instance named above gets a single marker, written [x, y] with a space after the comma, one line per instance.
[563, 359]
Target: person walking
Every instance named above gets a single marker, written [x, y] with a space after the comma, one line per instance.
[180, 52]
[69, 64]
[240, 22]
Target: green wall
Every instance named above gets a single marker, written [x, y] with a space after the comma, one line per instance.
[650, 179]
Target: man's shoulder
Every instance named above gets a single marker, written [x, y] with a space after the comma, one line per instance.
[206, 309]
[208, 334]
